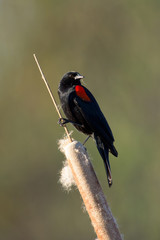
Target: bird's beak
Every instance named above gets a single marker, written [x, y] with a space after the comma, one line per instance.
[79, 77]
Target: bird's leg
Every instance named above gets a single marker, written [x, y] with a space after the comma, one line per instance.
[63, 121]
[86, 139]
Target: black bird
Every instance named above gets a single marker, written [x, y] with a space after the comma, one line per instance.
[83, 111]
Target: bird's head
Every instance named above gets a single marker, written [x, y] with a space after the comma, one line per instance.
[70, 79]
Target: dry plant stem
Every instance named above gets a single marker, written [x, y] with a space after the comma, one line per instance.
[51, 95]
[101, 217]
[89, 187]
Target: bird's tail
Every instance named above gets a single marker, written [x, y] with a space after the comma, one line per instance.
[104, 152]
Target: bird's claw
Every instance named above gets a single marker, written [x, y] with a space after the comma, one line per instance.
[62, 121]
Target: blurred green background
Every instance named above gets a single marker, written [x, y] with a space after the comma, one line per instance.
[116, 46]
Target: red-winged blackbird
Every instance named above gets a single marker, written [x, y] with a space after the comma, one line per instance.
[83, 111]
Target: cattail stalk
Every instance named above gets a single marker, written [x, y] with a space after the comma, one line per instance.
[91, 192]
[51, 95]
[87, 183]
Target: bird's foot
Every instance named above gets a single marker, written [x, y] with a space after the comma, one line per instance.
[63, 121]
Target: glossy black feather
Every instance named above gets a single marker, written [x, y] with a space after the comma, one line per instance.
[88, 116]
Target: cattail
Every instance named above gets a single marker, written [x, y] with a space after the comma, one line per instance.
[81, 173]
[89, 187]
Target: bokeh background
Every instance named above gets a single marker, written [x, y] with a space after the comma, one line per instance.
[116, 46]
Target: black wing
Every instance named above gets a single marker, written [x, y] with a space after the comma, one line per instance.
[94, 117]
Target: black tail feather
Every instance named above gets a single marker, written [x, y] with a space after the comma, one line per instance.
[104, 152]
[114, 151]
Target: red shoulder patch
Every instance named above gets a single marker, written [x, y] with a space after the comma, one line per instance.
[82, 93]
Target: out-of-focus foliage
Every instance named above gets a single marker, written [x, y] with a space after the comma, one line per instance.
[116, 45]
